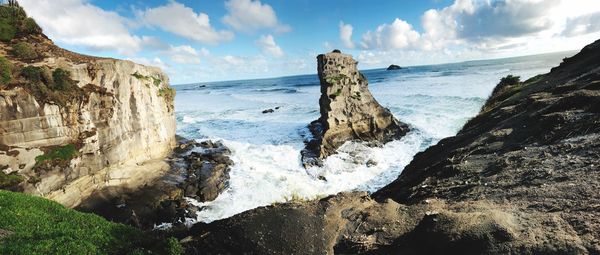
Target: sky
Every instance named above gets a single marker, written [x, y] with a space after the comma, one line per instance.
[209, 40]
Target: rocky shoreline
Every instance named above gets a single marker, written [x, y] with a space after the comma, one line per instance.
[198, 170]
[522, 177]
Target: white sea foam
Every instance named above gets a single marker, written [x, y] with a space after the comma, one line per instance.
[435, 101]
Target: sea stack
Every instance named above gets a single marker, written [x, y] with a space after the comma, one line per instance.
[348, 111]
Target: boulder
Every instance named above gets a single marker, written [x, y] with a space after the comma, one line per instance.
[348, 111]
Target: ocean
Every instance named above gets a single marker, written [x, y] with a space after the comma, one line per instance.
[435, 100]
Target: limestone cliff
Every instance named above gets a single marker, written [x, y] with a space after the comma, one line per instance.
[71, 123]
[348, 110]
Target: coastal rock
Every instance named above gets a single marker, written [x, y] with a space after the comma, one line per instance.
[348, 111]
[520, 178]
[394, 67]
[72, 124]
[208, 171]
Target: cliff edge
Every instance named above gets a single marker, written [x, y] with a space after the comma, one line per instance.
[348, 110]
[71, 124]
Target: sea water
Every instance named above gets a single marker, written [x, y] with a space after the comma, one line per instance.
[436, 101]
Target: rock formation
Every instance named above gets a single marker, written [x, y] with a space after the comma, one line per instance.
[348, 110]
[71, 124]
[394, 67]
[522, 177]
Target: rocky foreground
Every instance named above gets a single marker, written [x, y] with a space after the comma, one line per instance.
[348, 111]
[522, 177]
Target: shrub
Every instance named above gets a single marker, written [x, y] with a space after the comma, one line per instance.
[510, 80]
[29, 26]
[7, 31]
[24, 50]
[62, 155]
[9, 180]
[32, 73]
[5, 71]
[62, 79]
[168, 93]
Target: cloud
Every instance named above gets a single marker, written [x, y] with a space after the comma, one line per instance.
[248, 16]
[268, 46]
[346, 35]
[397, 35]
[77, 22]
[157, 62]
[480, 20]
[178, 19]
[185, 54]
[582, 25]
[483, 24]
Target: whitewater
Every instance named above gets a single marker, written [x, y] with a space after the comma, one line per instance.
[436, 101]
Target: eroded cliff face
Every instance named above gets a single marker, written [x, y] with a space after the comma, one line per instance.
[119, 115]
[348, 110]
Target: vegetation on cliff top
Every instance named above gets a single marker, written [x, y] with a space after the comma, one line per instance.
[33, 225]
[14, 23]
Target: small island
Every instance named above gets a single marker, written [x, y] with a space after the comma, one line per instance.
[394, 67]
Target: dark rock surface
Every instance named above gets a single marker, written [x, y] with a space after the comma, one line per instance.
[394, 67]
[520, 178]
[348, 111]
[198, 170]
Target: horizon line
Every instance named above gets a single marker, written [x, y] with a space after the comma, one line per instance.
[377, 68]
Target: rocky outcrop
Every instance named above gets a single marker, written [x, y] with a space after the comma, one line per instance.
[522, 177]
[348, 110]
[198, 170]
[394, 67]
[71, 124]
[207, 170]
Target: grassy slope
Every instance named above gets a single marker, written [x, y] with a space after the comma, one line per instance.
[40, 226]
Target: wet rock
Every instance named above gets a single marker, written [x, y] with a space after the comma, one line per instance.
[207, 171]
[268, 111]
[348, 111]
[394, 67]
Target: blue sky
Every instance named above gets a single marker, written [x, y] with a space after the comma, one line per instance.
[207, 40]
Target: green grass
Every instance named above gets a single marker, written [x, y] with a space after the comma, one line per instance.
[156, 81]
[9, 180]
[61, 154]
[40, 226]
[5, 71]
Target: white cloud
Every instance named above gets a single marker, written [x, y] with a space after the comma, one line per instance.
[249, 16]
[582, 25]
[346, 35]
[488, 25]
[268, 46]
[185, 54]
[178, 19]
[156, 62]
[77, 22]
[397, 35]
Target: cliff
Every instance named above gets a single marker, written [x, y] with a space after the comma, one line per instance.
[348, 110]
[71, 124]
[522, 177]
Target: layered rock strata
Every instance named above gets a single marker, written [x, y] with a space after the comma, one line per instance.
[348, 110]
[71, 124]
